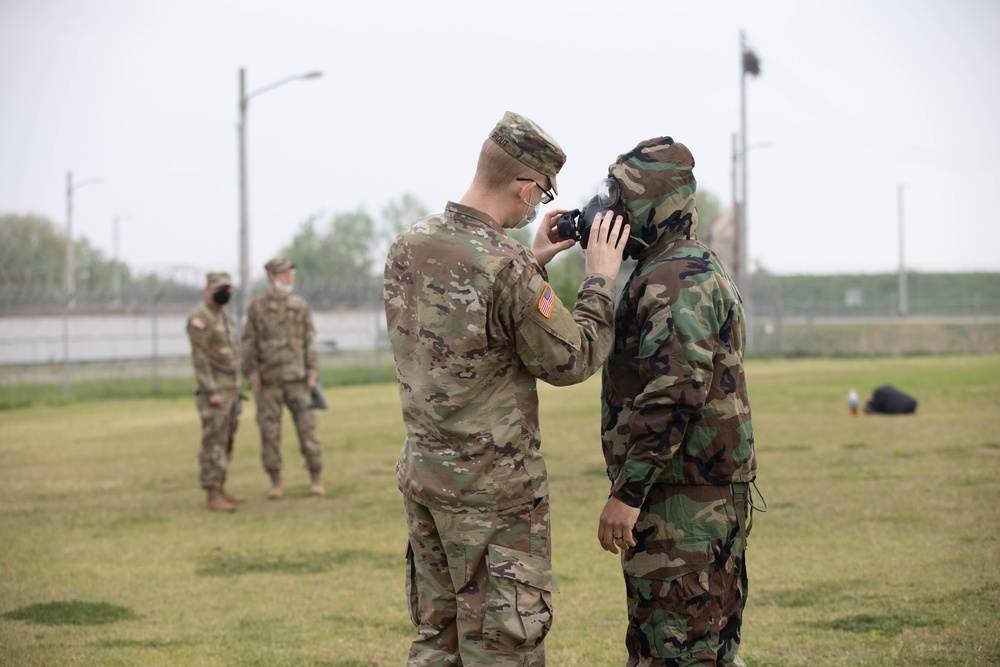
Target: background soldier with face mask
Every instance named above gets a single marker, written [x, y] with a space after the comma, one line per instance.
[279, 360]
[473, 322]
[216, 368]
[676, 428]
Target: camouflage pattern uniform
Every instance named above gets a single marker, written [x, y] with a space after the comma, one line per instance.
[279, 354]
[676, 427]
[216, 368]
[473, 323]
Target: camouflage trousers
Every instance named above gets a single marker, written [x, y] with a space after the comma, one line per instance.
[479, 586]
[685, 580]
[218, 430]
[270, 399]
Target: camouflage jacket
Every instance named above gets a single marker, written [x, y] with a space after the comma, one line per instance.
[279, 341]
[213, 349]
[473, 323]
[675, 405]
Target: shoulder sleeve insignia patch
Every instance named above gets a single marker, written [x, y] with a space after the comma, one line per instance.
[547, 301]
[198, 323]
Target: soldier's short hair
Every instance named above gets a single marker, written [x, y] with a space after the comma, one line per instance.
[521, 143]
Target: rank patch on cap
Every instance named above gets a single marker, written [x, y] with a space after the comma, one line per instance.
[547, 301]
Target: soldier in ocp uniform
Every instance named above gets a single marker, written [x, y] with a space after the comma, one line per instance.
[214, 354]
[279, 361]
[676, 428]
[473, 323]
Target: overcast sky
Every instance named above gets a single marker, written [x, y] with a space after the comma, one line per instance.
[855, 97]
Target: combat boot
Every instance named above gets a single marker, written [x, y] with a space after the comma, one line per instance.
[276, 492]
[218, 503]
[317, 486]
[230, 498]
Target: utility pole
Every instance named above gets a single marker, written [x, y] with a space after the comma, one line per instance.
[749, 64]
[70, 266]
[736, 222]
[116, 271]
[904, 300]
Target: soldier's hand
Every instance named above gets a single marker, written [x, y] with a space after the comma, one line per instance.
[215, 400]
[606, 245]
[310, 382]
[615, 528]
[547, 244]
[255, 387]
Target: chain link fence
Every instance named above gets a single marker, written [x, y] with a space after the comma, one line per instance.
[112, 329]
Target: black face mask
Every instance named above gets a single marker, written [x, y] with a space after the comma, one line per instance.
[576, 224]
[221, 297]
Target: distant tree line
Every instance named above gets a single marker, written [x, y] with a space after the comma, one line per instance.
[339, 259]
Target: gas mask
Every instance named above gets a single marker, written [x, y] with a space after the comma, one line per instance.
[576, 224]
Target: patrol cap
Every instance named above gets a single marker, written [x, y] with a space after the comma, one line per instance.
[524, 140]
[279, 264]
[218, 279]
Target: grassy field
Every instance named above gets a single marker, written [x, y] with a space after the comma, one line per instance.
[881, 546]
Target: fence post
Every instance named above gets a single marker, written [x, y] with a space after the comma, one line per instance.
[156, 344]
[809, 329]
[779, 318]
[976, 311]
[67, 298]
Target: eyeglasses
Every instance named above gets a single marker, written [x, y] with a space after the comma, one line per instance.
[609, 192]
[547, 196]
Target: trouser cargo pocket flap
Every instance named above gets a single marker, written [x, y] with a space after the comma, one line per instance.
[669, 559]
[522, 567]
[518, 611]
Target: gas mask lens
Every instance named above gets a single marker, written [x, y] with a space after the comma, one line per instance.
[608, 193]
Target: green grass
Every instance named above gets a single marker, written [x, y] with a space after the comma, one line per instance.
[43, 385]
[881, 546]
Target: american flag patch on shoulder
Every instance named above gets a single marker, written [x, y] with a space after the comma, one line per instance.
[547, 301]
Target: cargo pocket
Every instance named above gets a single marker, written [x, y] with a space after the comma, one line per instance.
[669, 591]
[518, 611]
[411, 587]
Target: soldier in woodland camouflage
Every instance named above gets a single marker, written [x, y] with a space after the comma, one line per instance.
[473, 323]
[216, 367]
[279, 360]
[676, 428]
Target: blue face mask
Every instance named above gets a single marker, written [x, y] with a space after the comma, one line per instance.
[529, 217]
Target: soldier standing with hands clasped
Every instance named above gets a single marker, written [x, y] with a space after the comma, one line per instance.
[215, 357]
[279, 361]
[473, 323]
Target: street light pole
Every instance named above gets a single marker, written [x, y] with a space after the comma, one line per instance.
[69, 299]
[243, 304]
[70, 250]
[244, 301]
